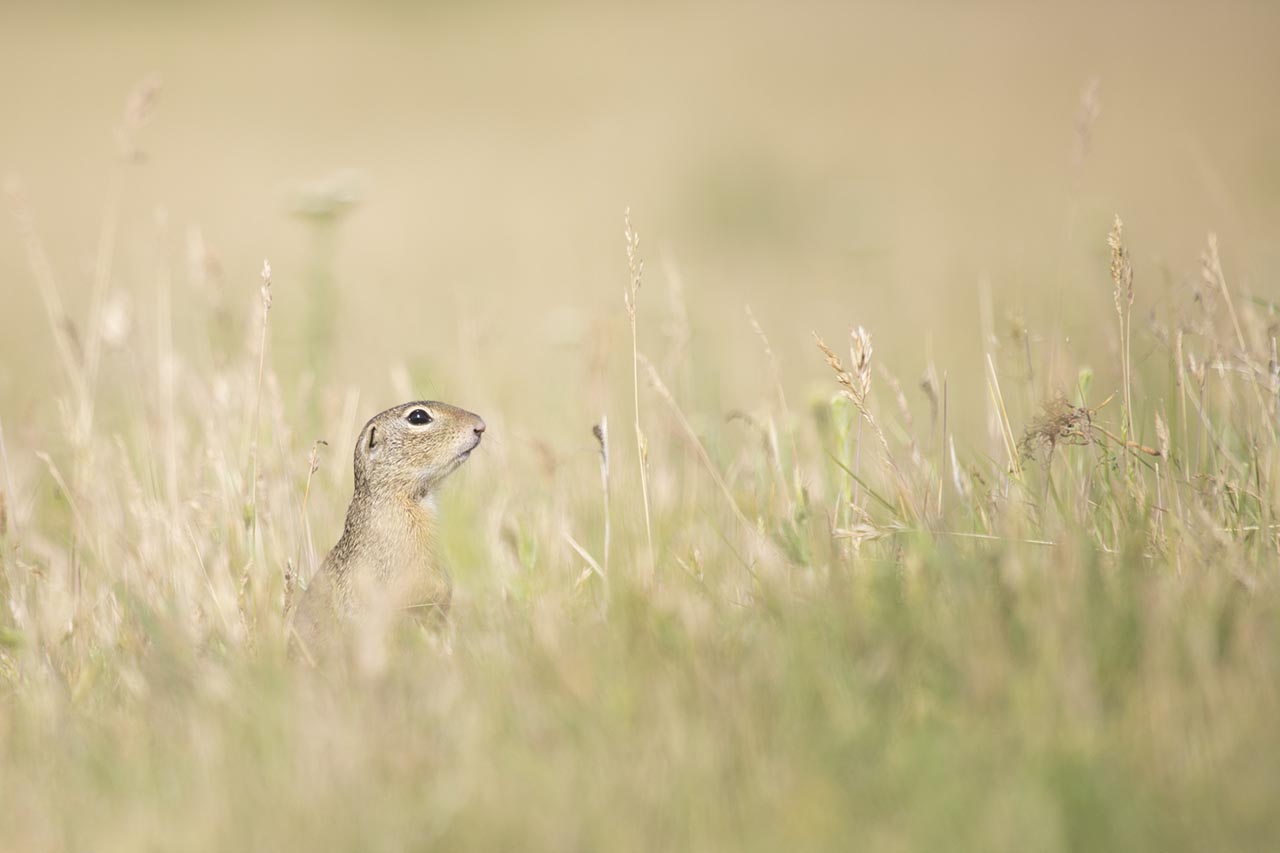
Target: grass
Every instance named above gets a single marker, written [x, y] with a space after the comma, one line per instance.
[1061, 635]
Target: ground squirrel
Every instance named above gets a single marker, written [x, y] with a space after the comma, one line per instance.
[387, 560]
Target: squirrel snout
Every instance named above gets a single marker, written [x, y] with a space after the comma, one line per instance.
[479, 427]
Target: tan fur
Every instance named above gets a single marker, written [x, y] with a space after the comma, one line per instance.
[386, 563]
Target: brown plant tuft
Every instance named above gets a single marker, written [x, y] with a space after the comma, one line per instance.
[1059, 422]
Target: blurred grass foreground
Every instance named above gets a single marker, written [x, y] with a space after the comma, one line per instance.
[896, 495]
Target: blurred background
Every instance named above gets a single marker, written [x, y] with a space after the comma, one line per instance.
[452, 177]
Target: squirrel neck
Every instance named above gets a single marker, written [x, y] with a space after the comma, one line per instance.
[400, 527]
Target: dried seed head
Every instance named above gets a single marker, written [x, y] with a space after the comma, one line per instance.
[1121, 268]
[635, 264]
[266, 286]
[601, 432]
[860, 355]
[1162, 437]
[313, 460]
[843, 377]
[290, 584]
[1197, 369]
[859, 534]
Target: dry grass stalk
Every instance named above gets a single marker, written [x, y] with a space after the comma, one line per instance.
[313, 465]
[958, 477]
[601, 432]
[635, 265]
[1002, 416]
[856, 390]
[860, 533]
[1122, 279]
[1211, 262]
[593, 567]
[856, 387]
[860, 365]
[784, 408]
[265, 294]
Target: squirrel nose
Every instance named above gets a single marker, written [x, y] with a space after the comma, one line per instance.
[479, 427]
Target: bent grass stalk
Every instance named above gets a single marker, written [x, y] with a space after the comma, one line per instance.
[265, 293]
[635, 265]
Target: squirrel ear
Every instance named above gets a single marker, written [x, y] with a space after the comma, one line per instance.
[369, 441]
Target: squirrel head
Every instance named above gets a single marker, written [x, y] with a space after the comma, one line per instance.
[407, 450]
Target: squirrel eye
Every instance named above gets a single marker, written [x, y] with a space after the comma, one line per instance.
[419, 417]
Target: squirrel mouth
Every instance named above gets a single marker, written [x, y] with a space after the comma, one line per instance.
[464, 455]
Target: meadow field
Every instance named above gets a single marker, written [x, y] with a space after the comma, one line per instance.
[883, 405]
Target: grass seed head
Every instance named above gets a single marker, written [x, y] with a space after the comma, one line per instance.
[1121, 268]
[860, 356]
[843, 377]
